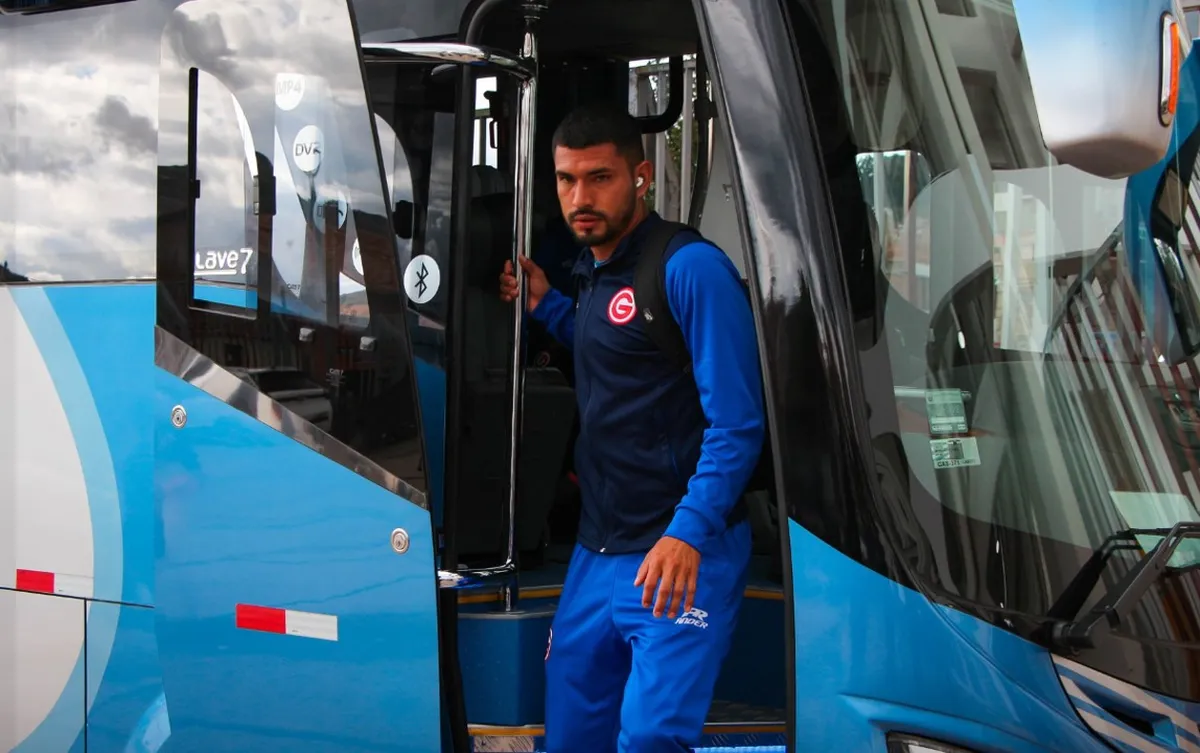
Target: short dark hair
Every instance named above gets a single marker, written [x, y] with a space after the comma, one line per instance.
[599, 123]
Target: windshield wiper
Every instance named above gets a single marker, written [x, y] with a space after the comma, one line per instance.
[1116, 605]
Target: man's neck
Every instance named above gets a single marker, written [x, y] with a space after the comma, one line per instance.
[605, 252]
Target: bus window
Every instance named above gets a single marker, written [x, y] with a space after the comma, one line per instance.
[275, 125]
[78, 102]
[1027, 378]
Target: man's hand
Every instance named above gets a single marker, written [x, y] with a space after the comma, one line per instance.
[672, 567]
[538, 284]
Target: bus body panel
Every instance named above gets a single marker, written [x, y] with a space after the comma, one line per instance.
[93, 345]
[79, 528]
[42, 698]
[896, 661]
[127, 711]
[281, 598]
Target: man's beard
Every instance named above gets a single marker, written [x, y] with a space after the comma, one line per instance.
[611, 230]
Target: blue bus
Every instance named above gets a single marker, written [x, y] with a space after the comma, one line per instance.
[286, 475]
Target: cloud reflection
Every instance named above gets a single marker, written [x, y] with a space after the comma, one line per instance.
[80, 110]
[78, 113]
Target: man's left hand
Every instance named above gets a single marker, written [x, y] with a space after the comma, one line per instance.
[672, 565]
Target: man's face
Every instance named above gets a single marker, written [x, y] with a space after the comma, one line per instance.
[597, 191]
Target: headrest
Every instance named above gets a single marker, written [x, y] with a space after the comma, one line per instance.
[487, 181]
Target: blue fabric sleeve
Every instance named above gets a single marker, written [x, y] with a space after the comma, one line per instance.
[557, 311]
[706, 296]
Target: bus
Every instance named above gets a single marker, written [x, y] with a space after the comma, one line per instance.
[284, 474]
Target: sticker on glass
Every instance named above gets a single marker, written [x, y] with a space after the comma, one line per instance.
[223, 262]
[954, 453]
[945, 411]
[289, 90]
[422, 278]
[307, 149]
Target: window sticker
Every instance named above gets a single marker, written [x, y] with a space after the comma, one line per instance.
[958, 452]
[945, 411]
[289, 90]
[422, 279]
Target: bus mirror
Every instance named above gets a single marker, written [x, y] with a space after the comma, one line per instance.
[1105, 77]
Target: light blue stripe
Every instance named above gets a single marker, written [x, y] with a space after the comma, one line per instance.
[91, 444]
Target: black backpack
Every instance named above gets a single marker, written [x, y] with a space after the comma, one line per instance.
[650, 294]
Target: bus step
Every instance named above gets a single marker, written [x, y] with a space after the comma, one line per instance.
[747, 749]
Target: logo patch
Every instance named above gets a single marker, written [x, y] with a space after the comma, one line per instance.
[621, 309]
[696, 617]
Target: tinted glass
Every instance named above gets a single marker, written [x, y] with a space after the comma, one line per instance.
[1036, 365]
[389, 21]
[78, 103]
[287, 273]
[414, 116]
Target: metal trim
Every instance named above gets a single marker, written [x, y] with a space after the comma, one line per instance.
[502, 576]
[177, 357]
[446, 52]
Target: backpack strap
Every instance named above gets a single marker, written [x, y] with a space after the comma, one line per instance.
[650, 292]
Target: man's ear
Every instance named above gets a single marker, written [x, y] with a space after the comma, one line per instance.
[643, 176]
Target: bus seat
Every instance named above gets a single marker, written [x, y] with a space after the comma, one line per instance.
[549, 409]
[488, 181]
[549, 399]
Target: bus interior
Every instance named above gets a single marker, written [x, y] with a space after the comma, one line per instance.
[585, 54]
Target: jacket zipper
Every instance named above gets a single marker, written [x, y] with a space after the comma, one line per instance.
[586, 321]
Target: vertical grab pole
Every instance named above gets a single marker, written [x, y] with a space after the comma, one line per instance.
[522, 237]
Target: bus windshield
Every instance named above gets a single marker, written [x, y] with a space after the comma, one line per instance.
[1040, 325]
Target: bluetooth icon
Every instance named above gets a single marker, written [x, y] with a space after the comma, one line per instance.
[422, 274]
[422, 279]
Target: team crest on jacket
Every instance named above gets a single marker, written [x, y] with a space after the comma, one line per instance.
[621, 309]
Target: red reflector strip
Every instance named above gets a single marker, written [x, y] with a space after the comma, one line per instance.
[261, 618]
[59, 584]
[287, 622]
[36, 581]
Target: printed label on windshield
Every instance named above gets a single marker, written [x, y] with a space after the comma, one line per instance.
[945, 411]
[954, 453]
[223, 263]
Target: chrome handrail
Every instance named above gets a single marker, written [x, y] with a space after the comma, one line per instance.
[522, 238]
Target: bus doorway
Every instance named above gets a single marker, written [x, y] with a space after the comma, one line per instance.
[507, 565]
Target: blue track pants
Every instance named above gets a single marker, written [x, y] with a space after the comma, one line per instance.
[617, 678]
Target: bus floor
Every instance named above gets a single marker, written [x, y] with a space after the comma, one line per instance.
[739, 735]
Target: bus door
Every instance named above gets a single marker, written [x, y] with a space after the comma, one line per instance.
[296, 569]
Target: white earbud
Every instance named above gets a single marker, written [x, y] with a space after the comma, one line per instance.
[640, 181]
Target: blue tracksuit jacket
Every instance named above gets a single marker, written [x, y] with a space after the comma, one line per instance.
[660, 451]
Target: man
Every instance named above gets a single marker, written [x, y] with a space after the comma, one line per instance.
[663, 455]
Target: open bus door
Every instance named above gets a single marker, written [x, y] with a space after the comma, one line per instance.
[296, 575]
